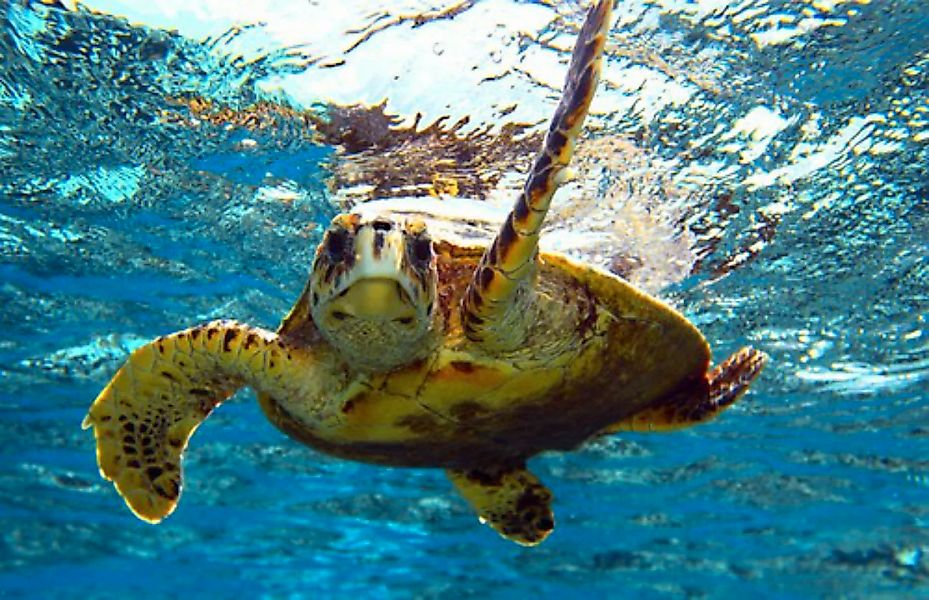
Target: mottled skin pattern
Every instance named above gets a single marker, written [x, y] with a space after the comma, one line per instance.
[406, 350]
[596, 353]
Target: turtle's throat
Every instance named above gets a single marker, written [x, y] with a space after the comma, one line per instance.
[376, 326]
[378, 299]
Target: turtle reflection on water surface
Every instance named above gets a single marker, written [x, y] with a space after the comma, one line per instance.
[411, 346]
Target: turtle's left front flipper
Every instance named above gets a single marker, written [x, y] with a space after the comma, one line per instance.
[490, 314]
[510, 499]
[145, 415]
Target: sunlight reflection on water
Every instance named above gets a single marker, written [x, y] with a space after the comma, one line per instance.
[778, 147]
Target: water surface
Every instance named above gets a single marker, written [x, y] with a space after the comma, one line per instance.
[767, 160]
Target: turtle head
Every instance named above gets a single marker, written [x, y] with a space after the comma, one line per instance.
[373, 289]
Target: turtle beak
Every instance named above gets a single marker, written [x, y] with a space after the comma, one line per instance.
[373, 291]
[379, 277]
[374, 299]
[365, 272]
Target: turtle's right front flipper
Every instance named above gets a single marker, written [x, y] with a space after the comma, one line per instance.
[145, 415]
[490, 307]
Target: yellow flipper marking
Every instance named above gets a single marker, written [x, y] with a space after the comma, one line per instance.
[144, 417]
[699, 401]
[509, 262]
[510, 499]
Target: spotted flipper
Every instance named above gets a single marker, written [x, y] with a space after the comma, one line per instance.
[145, 415]
[701, 401]
[510, 499]
[509, 263]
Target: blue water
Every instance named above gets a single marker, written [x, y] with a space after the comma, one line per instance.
[118, 223]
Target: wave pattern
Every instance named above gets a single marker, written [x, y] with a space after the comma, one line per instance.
[768, 163]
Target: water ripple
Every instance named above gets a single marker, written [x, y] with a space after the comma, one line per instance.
[760, 164]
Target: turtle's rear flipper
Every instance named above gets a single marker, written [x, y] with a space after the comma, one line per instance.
[145, 415]
[700, 401]
[510, 499]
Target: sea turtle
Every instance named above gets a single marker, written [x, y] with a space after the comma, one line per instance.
[416, 348]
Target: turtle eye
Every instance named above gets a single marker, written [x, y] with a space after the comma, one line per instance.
[421, 251]
[337, 244]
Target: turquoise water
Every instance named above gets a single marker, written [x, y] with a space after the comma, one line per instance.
[808, 229]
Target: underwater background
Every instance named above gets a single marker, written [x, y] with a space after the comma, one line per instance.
[760, 164]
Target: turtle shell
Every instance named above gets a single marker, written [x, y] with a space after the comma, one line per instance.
[597, 352]
[470, 222]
